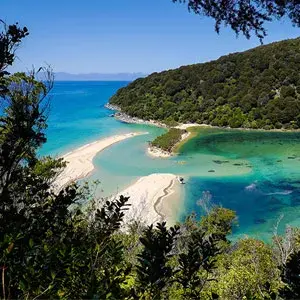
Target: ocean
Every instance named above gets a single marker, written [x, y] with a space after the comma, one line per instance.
[254, 173]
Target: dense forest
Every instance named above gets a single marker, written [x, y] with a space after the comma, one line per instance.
[259, 88]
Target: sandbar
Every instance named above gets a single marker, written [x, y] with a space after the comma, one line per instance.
[188, 125]
[153, 198]
[80, 161]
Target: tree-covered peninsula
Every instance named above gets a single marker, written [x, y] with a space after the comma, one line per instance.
[258, 88]
[167, 141]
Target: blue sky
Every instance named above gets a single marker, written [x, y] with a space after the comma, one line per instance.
[111, 36]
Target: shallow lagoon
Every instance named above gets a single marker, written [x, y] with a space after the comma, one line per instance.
[260, 197]
[255, 173]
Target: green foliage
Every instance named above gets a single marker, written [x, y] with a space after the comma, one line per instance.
[50, 248]
[245, 16]
[168, 140]
[291, 276]
[219, 223]
[47, 249]
[10, 38]
[153, 272]
[196, 264]
[258, 88]
[287, 251]
[48, 167]
[170, 122]
[248, 272]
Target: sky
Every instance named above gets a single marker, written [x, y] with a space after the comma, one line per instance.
[116, 36]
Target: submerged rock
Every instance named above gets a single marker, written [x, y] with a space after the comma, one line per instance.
[259, 221]
[220, 161]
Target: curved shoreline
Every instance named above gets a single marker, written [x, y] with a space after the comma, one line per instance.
[149, 192]
[159, 199]
[157, 152]
[80, 161]
[123, 117]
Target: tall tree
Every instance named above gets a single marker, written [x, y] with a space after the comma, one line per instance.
[47, 248]
[10, 38]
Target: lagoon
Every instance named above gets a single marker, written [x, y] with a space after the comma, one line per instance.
[255, 173]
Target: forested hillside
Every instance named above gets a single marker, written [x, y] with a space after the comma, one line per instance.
[259, 88]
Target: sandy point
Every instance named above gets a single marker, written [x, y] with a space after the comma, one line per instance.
[154, 198]
[80, 161]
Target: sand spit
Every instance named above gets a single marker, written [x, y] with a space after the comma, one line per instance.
[80, 161]
[153, 198]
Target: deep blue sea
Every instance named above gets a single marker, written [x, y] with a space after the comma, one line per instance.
[254, 173]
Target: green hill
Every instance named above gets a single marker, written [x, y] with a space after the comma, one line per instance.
[258, 88]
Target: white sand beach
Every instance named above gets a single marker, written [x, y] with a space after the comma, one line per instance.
[157, 152]
[154, 198]
[187, 125]
[80, 161]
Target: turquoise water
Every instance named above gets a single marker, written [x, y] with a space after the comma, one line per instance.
[77, 115]
[254, 173]
[260, 197]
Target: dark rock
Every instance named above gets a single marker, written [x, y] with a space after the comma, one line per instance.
[219, 162]
[259, 221]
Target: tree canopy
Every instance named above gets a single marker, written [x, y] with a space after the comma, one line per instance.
[246, 16]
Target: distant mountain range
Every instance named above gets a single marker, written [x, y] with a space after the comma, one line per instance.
[62, 76]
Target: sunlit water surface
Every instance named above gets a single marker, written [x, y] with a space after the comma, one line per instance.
[254, 173]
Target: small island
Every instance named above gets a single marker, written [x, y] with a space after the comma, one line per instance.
[165, 144]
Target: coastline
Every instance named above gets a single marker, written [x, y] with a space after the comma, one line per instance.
[153, 198]
[156, 152]
[80, 161]
[133, 120]
[123, 117]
